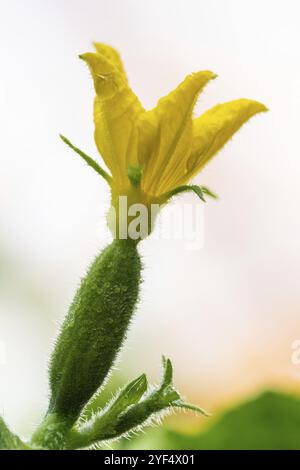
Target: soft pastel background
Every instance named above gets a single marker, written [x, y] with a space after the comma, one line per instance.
[226, 314]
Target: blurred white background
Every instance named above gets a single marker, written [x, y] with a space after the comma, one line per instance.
[226, 314]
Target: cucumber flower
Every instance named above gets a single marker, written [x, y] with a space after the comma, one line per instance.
[153, 155]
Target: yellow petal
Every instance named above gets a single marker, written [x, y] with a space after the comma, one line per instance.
[116, 109]
[165, 134]
[111, 54]
[215, 127]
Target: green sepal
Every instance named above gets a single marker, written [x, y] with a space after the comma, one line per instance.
[200, 191]
[89, 160]
[208, 192]
[183, 189]
[190, 407]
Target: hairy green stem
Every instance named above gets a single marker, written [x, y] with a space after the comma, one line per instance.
[52, 432]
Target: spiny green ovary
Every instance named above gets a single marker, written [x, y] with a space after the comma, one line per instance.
[95, 328]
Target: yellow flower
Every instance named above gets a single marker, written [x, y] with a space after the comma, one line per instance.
[152, 155]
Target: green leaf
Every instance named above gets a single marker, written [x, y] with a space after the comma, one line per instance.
[88, 160]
